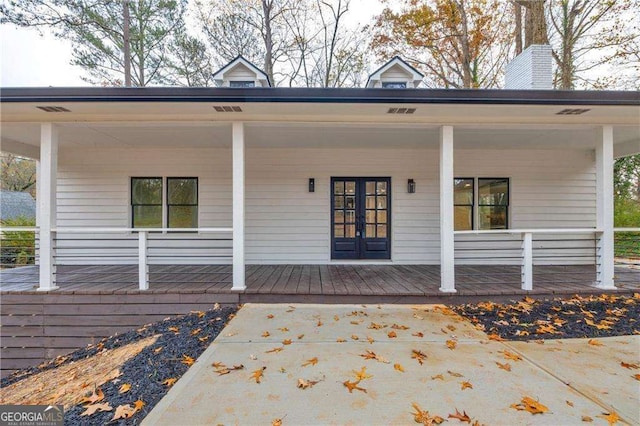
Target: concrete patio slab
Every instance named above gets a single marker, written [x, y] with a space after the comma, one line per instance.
[203, 397]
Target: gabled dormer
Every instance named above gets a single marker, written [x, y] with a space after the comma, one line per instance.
[395, 74]
[241, 73]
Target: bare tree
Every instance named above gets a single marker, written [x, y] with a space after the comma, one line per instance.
[17, 173]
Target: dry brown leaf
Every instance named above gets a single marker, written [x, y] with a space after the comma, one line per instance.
[370, 340]
[187, 360]
[124, 412]
[286, 342]
[418, 334]
[95, 396]
[463, 417]
[636, 376]
[506, 366]
[284, 329]
[392, 335]
[399, 327]
[531, 405]
[340, 340]
[595, 342]
[569, 403]
[422, 417]
[629, 366]
[437, 377]
[611, 418]
[454, 374]
[95, 408]
[196, 331]
[300, 336]
[354, 337]
[362, 374]
[270, 316]
[312, 361]
[258, 374]
[126, 387]
[223, 369]
[305, 384]
[157, 350]
[199, 313]
[203, 339]
[336, 318]
[319, 323]
[174, 329]
[138, 405]
[496, 337]
[170, 381]
[398, 367]
[266, 334]
[372, 355]
[587, 419]
[274, 350]
[374, 326]
[451, 344]
[466, 385]
[511, 355]
[418, 355]
[276, 422]
[353, 386]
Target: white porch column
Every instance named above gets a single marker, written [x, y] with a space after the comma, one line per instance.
[447, 266]
[47, 203]
[238, 207]
[604, 209]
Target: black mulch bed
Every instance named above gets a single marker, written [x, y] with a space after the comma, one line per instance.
[147, 370]
[590, 316]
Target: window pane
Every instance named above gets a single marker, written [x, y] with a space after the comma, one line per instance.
[338, 216]
[338, 188]
[350, 216]
[147, 216]
[183, 216]
[350, 231]
[371, 188]
[350, 187]
[182, 191]
[493, 192]
[338, 202]
[382, 188]
[394, 85]
[146, 191]
[338, 231]
[492, 217]
[462, 218]
[371, 216]
[463, 191]
[371, 202]
[382, 216]
[370, 231]
[382, 231]
[350, 202]
[382, 202]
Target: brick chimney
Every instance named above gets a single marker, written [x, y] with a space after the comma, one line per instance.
[530, 70]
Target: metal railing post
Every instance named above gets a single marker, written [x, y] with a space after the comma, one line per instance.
[527, 261]
[143, 266]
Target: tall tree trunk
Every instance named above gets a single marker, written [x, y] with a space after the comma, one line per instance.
[518, 28]
[467, 60]
[126, 44]
[535, 29]
[267, 8]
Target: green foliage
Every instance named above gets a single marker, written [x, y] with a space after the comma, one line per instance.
[627, 215]
[626, 178]
[17, 247]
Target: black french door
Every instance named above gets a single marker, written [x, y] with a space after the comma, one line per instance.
[360, 218]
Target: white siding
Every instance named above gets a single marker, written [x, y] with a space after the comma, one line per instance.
[287, 224]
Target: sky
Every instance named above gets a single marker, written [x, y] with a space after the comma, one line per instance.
[29, 60]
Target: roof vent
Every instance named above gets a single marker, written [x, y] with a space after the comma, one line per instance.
[53, 109]
[572, 111]
[227, 108]
[401, 111]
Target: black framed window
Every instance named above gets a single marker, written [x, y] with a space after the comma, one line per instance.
[146, 202]
[463, 195]
[242, 84]
[182, 202]
[394, 85]
[493, 203]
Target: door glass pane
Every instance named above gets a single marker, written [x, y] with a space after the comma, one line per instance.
[371, 202]
[462, 218]
[370, 231]
[338, 231]
[350, 202]
[146, 191]
[382, 202]
[382, 188]
[338, 202]
[350, 216]
[382, 231]
[183, 216]
[338, 216]
[371, 216]
[350, 231]
[493, 192]
[350, 187]
[338, 188]
[382, 216]
[463, 191]
[147, 216]
[182, 191]
[371, 188]
[492, 217]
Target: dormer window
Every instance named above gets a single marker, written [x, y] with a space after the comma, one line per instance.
[242, 84]
[394, 85]
[395, 74]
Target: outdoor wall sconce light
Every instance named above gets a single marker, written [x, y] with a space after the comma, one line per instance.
[411, 186]
[312, 185]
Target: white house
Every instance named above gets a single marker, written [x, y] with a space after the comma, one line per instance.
[245, 173]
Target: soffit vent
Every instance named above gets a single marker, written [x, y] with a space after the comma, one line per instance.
[53, 109]
[572, 111]
[227, 108]
[401, 111]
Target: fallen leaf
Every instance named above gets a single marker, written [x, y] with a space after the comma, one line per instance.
[258, 374]
[437, 377]
[451, 344]
[283, 329]
[399, 327]
[319, 323]
[353, 386]
[569, 403]
[270, 316]
[300, 336]
[466, 385]
[636, 376]
[418, 355]
[199, 313]
[124, 412]
[157, 350]
[276, 422]
[196, 331]
[511, 355]
[286, 342]
[392, 335]
[305, 384]
[454, 374]
[95, 396]
[531, 405]
[506, 366]
[138, 405]
[612, 418]
[312, 361]
[421, 416]
[336, 318]
[463, 417]
[203, 339]
[95, 408]
[222, 370]
[496, 337]
[629, 366]
[170, 381]
[372, 355]
[362, 374]
[126, 387]
[595, 342]
[274, 350]
[398, 367]
[266, 334]
[354, 337]
[418, 334]
[340, 340]
[587, 419]
[375, 326]
[187, 360]
[370, 340]
[174, 329]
